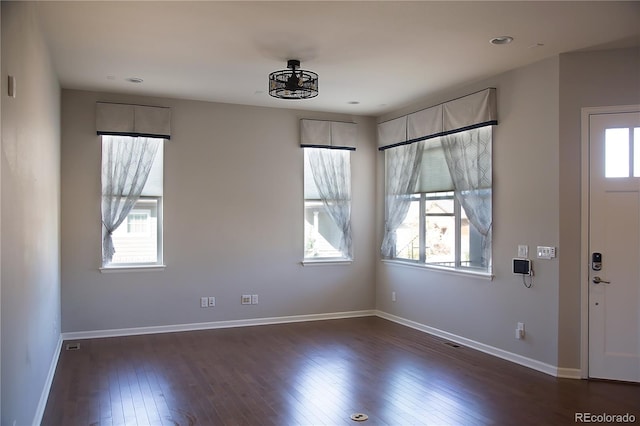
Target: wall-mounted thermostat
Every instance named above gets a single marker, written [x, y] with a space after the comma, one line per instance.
[522, 266]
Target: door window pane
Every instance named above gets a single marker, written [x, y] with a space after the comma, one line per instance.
[616, 153]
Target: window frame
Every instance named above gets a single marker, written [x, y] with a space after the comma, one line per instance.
[159, 252]
[422, 199]
[159, 265]
[421, 262]
[320, 260]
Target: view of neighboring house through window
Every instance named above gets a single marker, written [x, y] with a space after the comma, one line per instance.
[138, 222]
[136, 239]
[132, 186]
[327, 203]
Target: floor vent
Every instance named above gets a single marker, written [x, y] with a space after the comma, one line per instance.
[453, 345]
[72, 346]
[359, 417]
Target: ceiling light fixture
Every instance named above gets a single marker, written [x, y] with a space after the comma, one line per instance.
[501, 40]
[293, 83]
[135, 80]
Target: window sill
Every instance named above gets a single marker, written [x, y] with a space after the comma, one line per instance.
[464, 272]
[130, 268]
[326, 261]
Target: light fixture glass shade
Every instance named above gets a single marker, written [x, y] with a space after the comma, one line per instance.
[293, 83]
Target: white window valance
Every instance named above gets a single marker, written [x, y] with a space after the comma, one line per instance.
[393, 132]
[468, 112]
[328, 134]
[133, 120]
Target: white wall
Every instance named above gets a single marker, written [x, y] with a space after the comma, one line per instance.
[30, 215]
[233, 221]
[525, 211]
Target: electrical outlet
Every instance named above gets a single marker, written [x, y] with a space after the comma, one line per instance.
[520, 331]
[246, 299]
[393, 296]
[254, 299]
[204, 302]
[212, 301]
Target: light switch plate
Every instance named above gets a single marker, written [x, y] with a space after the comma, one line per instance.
[545, 252]
[523, 251]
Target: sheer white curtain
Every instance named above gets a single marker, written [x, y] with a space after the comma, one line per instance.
[126, 163]
[402, 169]
[468, 156]
[331, 170]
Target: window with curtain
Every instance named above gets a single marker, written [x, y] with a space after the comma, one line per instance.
[327, 204]
[132, 138]
[132, 190]
[448, 217]
[438, 184]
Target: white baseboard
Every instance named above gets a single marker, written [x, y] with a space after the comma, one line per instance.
[569, 373]
[44, 396]
[552, 370]
[80, 335]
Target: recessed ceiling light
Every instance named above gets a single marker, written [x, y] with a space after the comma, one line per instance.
[501, 40]
[136, 80]
[111, 77]
[354, 102]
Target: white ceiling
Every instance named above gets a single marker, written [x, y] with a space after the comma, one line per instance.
[382, 54]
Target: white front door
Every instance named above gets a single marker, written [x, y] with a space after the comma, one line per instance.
[614, 233]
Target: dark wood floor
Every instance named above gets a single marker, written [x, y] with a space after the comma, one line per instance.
[312, 373]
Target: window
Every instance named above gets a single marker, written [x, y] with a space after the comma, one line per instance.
[448, 209]
[622, 152]
[132, 190]
[327, 203]
[136, 240]
[437, 232]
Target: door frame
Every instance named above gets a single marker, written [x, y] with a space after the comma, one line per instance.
[586, 114]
